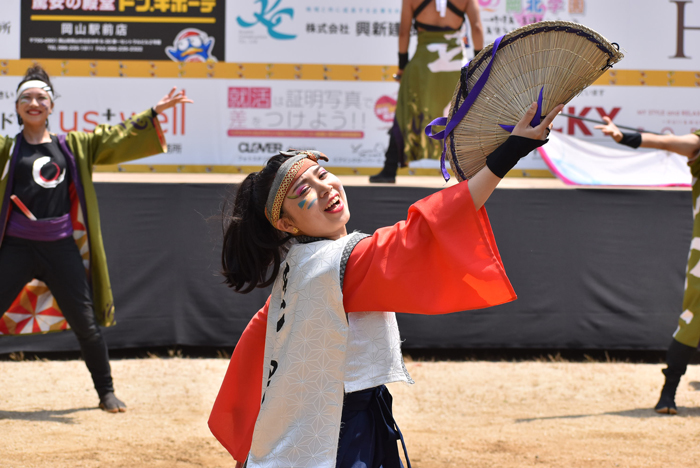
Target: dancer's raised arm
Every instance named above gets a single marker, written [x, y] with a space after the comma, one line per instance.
[522, 141]
[687, 145]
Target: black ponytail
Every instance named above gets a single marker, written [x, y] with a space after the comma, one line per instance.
[36, 72]
[251, 243]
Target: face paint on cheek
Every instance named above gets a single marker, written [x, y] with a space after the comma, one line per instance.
[311, 203]
[302, 203]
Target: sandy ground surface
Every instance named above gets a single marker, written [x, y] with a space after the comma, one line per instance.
[458, 414]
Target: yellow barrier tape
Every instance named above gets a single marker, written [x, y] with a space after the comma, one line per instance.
[649, 78]
[220, 70]
[291, 71]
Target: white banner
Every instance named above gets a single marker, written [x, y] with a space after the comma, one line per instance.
[653, 34]
[82, 103]
[9, 29]
[240, 118]
[347, 121]
[579, 162]
[232, 122]
[356, 32]
[662, 110]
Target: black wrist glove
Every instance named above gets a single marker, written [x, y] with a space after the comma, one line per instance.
[506, 156]
[153, 112]
[632, 140]
[403, 60]
[476, 52]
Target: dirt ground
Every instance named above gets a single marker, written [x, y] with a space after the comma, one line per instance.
[458, 414]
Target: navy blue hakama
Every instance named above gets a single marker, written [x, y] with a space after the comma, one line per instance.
[368, 432]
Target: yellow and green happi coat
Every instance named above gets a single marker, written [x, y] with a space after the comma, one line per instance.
[688, 331]
[35, 310]
[426, 88]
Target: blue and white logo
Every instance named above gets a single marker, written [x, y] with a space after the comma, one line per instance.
[271, 18]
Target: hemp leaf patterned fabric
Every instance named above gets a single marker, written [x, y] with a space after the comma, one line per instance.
[312, 357]
[301, 406]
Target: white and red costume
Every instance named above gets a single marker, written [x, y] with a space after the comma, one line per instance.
[301, 353]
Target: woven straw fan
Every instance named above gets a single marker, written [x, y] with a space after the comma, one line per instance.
[558, 58]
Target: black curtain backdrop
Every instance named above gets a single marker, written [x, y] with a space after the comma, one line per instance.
[593, 269]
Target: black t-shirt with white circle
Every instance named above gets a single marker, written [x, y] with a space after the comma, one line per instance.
[41, 179]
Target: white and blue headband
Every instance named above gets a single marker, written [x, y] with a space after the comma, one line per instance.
[35, 84]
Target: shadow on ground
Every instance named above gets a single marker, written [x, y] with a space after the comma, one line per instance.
[58, 416]
[640, 413]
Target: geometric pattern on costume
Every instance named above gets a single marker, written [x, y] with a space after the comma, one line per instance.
[688, 331]
[374, 354]
[312, 357]
[34, 311]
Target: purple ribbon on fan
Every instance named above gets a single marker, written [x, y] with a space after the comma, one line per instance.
[464, 108]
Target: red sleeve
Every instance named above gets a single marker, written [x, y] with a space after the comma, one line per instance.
[442, 259]
[236, 408]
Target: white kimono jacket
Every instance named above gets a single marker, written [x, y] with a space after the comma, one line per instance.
[314, 353]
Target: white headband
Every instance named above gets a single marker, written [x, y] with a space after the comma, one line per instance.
[35, 84]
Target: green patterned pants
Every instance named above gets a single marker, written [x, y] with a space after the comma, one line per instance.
[688, 332]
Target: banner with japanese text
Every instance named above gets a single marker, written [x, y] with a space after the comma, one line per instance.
[354, 32]
[180, 30]
[256, 120]
[349, 123]
[271, 74]
[656, 87]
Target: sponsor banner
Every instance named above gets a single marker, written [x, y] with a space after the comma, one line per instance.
[658, 35]
[83, 103]
[9, 30]
[178, 30]
[232, 122]
[653, 35]
[654, 109]
[308, 74]
[660, 110]
[347, 121]
[243, 122]
[313, 31]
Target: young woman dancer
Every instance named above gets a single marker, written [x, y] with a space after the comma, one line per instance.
[305, 386]
[50, 239]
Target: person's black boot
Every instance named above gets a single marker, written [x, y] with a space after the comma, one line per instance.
[667, 401]
[677, 358]
[385, 176]
[391, 160]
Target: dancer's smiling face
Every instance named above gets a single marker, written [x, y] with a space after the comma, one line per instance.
[316, 205]
[34, 106]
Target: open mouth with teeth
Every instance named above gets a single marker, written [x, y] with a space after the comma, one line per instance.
[334, 203]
